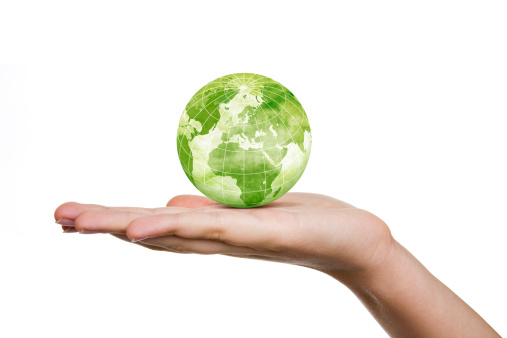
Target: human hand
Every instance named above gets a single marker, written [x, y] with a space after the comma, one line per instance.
[310, 230]
[315, 231]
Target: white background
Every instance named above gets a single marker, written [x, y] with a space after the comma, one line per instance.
[407, 104]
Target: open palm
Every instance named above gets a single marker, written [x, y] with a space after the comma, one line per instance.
[305, 229]
[315, 231]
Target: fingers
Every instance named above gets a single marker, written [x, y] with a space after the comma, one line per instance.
[199, 246]
[212, 222]
[235, 227]
[181, 245]
[126, 239]
[105, 219]
[70, 210]
[114, 220]
[190, 201]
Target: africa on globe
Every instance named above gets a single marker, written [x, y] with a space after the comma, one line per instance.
[244, 140]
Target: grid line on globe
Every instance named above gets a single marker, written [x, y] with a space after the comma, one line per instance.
[256, 124]
[290, 137]
[208, 113]
[224, 172]
[228, 140]
[263, 160]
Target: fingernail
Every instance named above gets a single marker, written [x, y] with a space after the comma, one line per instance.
[89, 232]
[69, 230]
[65, 221]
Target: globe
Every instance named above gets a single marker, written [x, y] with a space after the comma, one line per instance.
[244, 140]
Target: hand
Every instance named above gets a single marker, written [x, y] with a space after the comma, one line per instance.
[310, 230]
[315, 231]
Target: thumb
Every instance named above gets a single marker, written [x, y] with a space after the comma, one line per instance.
[190, 201]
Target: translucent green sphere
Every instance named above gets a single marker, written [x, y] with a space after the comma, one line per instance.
[244, 140]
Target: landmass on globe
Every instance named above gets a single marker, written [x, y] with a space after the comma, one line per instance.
[244, 140]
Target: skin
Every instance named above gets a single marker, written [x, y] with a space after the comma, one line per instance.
[315, 231]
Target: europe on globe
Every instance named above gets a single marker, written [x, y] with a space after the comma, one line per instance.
[244, 140]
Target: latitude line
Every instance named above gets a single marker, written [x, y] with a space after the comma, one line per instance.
[267, 122]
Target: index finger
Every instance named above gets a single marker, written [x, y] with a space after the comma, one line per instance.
[235, 227]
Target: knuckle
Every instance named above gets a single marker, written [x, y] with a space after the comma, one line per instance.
[173, 219]
[152, 211]
[130, 216]
[215, 229]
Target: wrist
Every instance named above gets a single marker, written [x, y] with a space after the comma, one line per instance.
[388, 259]
[393, 263]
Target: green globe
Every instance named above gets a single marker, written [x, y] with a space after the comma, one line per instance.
[244, 140]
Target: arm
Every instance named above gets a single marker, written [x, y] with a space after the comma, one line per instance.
[315, 231]
[408, 301]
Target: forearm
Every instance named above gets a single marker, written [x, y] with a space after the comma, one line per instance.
[408, 301]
